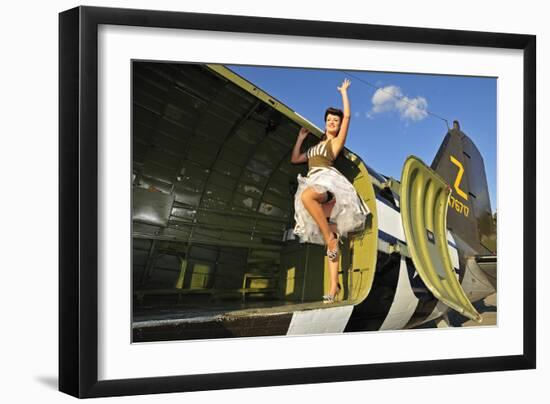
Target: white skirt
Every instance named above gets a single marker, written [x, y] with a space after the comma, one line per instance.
[349, 211]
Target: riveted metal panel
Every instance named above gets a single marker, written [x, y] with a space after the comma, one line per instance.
[152, 207]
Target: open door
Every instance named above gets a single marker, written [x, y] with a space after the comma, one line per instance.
[424, 201]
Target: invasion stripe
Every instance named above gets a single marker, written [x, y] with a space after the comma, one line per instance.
[388, 237]
[320, 321]
[387, 203]
[404, 302]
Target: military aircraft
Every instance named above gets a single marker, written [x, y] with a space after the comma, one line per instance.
[214, 254]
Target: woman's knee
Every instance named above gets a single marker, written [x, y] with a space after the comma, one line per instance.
[309, 194]
[306, 195]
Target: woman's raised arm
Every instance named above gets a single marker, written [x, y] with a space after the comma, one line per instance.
[340, 140]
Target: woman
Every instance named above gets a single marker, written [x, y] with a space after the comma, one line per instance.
[326, 204]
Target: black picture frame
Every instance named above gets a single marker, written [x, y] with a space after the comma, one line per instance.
[78, 201]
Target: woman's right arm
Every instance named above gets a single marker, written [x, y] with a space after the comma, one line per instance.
[298, 157]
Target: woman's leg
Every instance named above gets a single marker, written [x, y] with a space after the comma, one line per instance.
[332, 265]
[327, 207]
[312, 201]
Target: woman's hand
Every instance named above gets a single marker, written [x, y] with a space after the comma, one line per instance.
[303, 133]
[344, 86]
[298, 157]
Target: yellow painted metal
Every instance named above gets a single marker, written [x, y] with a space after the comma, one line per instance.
[181, 277]
[200, 275]
[459, 178]
[262, 95]
[363, 245]
[424, 201]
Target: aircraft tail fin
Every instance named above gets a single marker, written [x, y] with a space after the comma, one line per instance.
[460, 164]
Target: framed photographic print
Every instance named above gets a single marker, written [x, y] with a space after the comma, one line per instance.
[239, 193]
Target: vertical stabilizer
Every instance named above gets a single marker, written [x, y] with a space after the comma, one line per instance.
[460, 164]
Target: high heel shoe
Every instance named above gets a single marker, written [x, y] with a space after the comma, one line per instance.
[333, 254]
[332, 298]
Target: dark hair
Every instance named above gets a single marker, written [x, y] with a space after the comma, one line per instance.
[334, 111]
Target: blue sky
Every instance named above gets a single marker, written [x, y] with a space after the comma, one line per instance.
[383, 131]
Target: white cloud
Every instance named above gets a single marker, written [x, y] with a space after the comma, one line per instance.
[413, 108]
[384, 99]
[391, 98]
